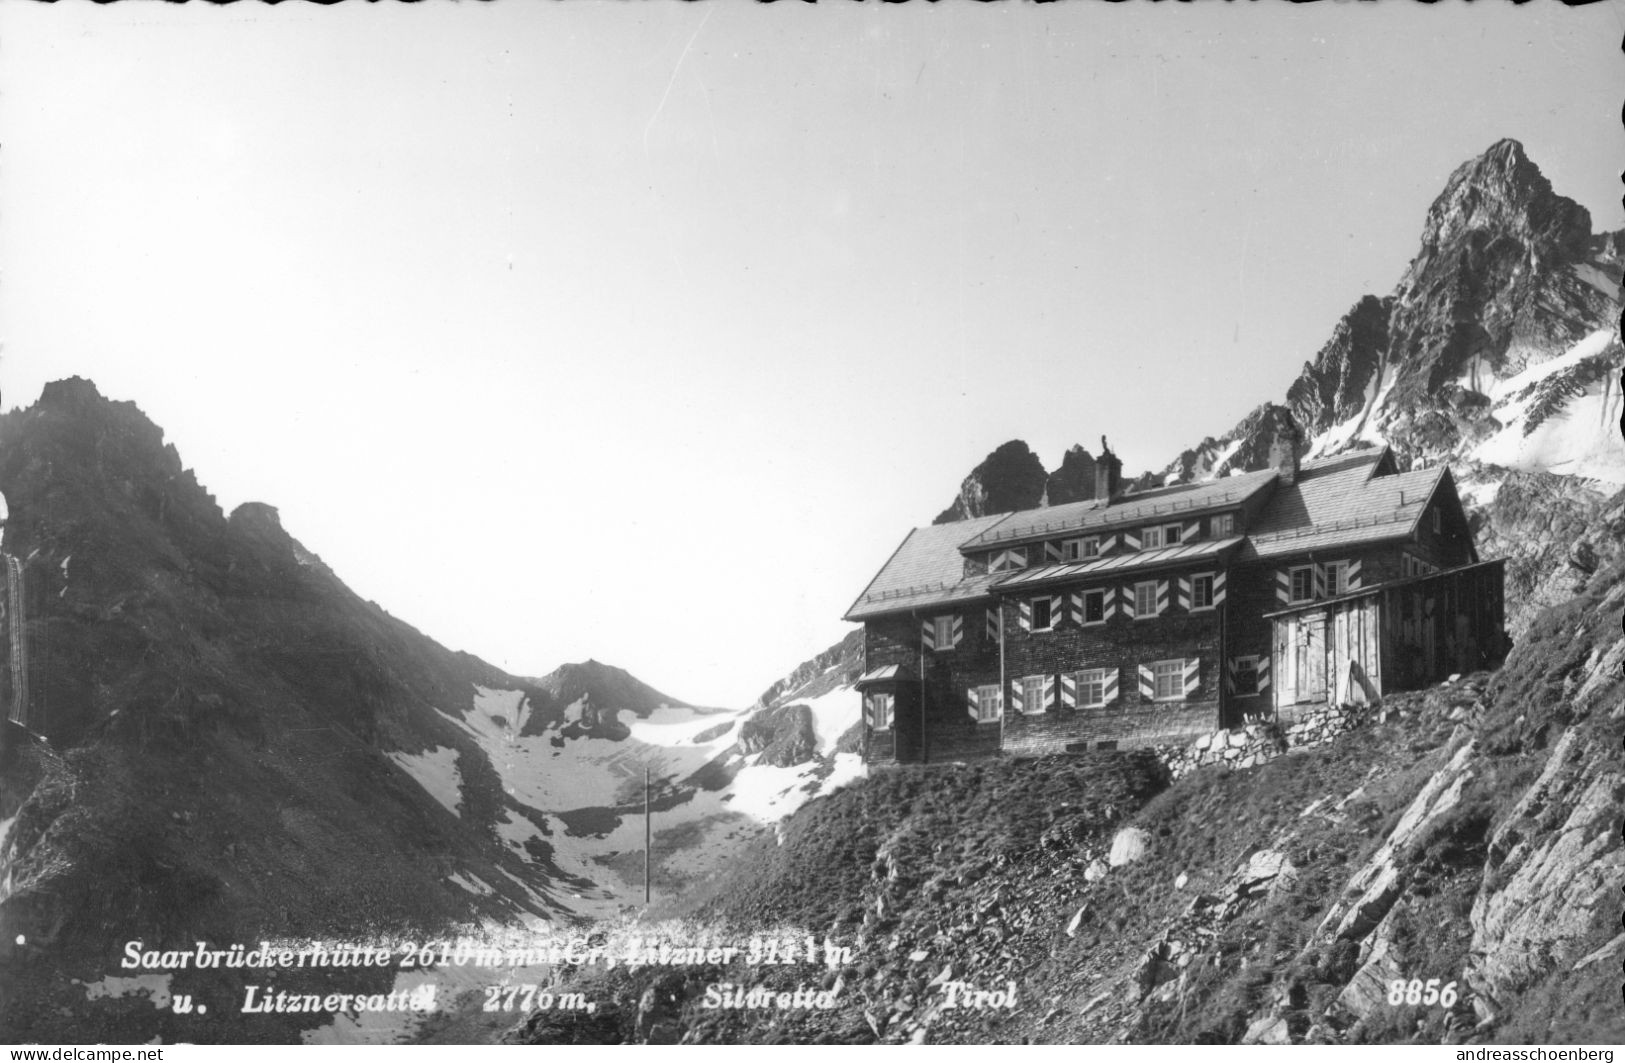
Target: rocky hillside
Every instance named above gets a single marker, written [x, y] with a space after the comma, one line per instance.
[1465, 838]
[249, 751]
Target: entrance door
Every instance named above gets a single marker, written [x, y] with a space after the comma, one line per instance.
[1306, 649]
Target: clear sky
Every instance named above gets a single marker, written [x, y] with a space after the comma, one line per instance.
[645, 331]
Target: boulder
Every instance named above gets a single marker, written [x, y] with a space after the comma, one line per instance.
[1129, 845]
[1095, 871]
[1270, 1030]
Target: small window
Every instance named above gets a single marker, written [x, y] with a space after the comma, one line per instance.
[1145, 598]
[1094, 607]
[1303, 583]
[1438, 521]
[1222, 525]
[1337, 578]
[881, 709]
[1150, 538]
[1042, 620]
[1202, 591]
[1092, 688]
[1032, 694]
[1171, 535]
[1080, 549]
[942, 632]
[989, 703]
[1244, 677]
[1169, 677]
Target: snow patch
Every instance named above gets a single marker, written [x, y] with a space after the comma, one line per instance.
[1582, 439]
[1595, 343]
[473, 884]
[435, 771]
[833, 714]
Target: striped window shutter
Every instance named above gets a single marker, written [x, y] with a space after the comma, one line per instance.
[972, 703]
[868, 710]
[1185, 593]
[1111, 686]
[1193, 675]
[958, 631]
[1263, 674]
[1106, 540]
[1069, 691]
[1057, 606]
[1024, 614]
[1162, 596]
[1148, 683]
[1131, 539]
[993, 625]
[1218, 588]
[1354, 574]
[1074, 606]
[1191, 530]
[1230, 676]
[1111, 601]
[1052, 551]
[1018, 694]
[1283, 586]
[1049, 693]
[1320, 581]
[928, 635]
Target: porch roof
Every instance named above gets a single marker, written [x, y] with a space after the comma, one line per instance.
[889, 673]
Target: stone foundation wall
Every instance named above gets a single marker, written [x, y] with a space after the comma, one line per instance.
[1257, 743]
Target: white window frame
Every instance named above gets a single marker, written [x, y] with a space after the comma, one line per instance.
[1083, 549]
[942, 632]
[1211, 578]
[1292, 584]
[1337, 578]
[1216, 531]
[1243, 661]
[1146, 535]
[1176, 531]
[1028, 683]
[875, 708]
[1178, 666]
[1087, 679]
[1083, 616]
[989, 703]
[1137, 588]
[1047, 602]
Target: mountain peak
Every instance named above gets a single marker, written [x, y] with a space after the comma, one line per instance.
[1502, 193]
[1009, 479]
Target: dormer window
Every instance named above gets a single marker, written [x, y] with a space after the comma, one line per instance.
[1150, 538]
[1171, 535]
[1080, 549]
[1221, 525]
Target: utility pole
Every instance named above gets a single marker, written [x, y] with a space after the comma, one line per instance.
[647, 835]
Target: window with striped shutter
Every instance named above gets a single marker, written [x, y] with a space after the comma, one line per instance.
[878, 711]
[1183, 600]
[1148, 684]
[1109, 694]
[984, 703]
[928, 634]
[1024, 614]
[1164, 588]
[1069, 690]
[1283, 586]
[993, 625]
[1048, 696]
[1193, 676]
[1218, 588]
[1353, 574]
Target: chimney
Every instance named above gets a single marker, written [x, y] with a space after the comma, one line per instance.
[1108, 473]
[1284, 452]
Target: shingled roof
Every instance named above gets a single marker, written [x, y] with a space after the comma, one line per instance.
[1337, 502]
[925, 569]
[1334, 503]
[1179, 500]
